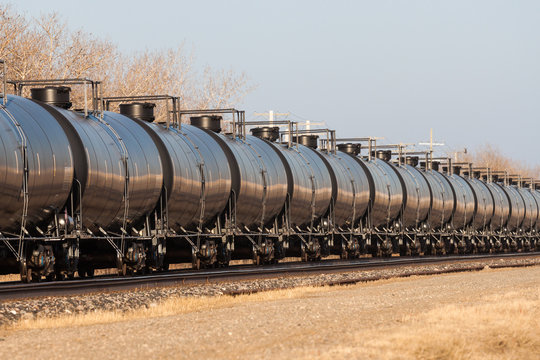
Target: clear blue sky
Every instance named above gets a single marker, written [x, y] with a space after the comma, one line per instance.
[468, 69]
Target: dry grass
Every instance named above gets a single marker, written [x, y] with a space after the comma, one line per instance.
[505, 326]
[180, 305]
[10, 277]
[169, 307]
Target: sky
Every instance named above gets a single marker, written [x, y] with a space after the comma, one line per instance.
[470, 70]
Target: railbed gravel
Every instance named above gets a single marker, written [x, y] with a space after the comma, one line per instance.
[13, 311]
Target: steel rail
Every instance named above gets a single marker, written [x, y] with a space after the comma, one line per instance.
[12, 290]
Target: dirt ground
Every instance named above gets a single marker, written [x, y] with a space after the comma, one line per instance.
[431, 317]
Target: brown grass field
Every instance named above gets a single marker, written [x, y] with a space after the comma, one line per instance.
[503, 326]
[503, 323]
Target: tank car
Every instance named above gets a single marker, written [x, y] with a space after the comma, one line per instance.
[385, 199]
[442, 199]
[197, 188]
[309, 192]
[415, 207]
[465, 201]
[531, 217]
[259, 189]
[119, 177]
[37, 168]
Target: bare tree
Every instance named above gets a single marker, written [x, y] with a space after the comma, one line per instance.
[45, 48]
[491, 156]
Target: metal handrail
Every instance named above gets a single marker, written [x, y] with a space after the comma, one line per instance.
[175, 101]
[18, 86]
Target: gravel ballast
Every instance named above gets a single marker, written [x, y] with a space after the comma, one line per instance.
[13, 311]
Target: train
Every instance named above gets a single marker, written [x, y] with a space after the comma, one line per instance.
[86, 189]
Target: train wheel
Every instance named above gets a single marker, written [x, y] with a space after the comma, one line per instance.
[165, 266]
[404, 250]
[59, 276]
[122, 269]
[36, 278]
[26, 273]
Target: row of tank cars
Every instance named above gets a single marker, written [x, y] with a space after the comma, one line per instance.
[83, 190]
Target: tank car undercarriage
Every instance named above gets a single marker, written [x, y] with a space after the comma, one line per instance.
[63, 254]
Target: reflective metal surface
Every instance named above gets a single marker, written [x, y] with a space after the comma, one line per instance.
[103, 176]
[50, 163]
[200, 180]
[352, 196]
[442, 204]
[105, 144]
[312, 188]
[387, 193]
[536, 195]
[501, 211]
[531, 209]
[465, 202]
[517, 208]
[263, 181]
[484, 204]
[417, 195]
[144, 165]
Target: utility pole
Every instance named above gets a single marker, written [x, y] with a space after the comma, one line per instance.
[431, 144]
[431, 139]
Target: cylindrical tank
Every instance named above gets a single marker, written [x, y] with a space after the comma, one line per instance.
[261, 189]
[351, 198]
[443, 201]
[270, 133]
[144, 165]
[310, 141]
[53, 95]
[501, 211]
[531, 209]
[536, 196]
[50, 163]
[465, 202]
[416, 195]
[207, 122]
[485, 205]
[138, 110]
[386, 195]
[311, 189]
[349, 148]
[517, 208]
[198, 184]
[103, 145]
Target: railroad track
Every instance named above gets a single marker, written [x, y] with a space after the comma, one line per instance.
[16, 290]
